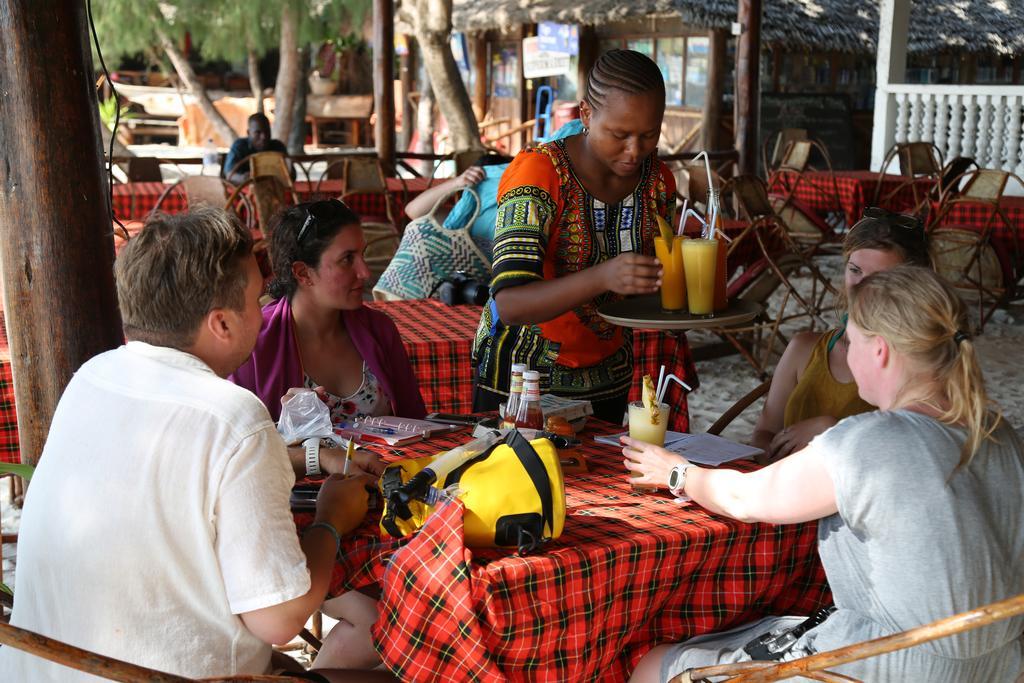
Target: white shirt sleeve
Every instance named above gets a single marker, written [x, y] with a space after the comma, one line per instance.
[257, 543]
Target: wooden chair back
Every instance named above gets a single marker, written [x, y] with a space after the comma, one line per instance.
[775, 146]
[362, 174]
[919, 158]
[751, 194]
[144, 170]
[270, 164]
[796, 156]
[208, 190]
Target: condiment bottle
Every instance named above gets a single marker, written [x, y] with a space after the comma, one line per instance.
[529, 414]
[515, 392]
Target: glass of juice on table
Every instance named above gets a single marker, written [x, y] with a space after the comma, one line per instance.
[642, 427]
[700, 258]
[673, 282]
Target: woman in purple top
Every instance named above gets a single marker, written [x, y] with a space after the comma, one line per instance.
[317, 334]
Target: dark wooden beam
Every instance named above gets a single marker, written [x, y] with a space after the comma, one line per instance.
[711, 121]
[383, 80]
[748, 90]
[589, 49]
[58, 249]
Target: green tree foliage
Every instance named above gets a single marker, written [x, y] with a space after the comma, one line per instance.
[220, 29]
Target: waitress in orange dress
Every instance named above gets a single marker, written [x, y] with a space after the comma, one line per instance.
[575, 229]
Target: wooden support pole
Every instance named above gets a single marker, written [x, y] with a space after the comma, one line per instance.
[480, 71]
[748, 91]
[58, 249]
[406, 71]
[589, 49]
[383, 80]
[712, 115]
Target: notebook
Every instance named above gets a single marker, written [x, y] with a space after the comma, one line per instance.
[394, 431]
[702, 449]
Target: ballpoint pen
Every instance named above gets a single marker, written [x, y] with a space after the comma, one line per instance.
[377, 430]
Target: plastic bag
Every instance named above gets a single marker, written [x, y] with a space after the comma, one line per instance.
[303, 415]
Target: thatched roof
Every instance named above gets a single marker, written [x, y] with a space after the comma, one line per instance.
[840, 25]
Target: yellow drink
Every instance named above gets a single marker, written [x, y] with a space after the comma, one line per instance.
[641, 429]
[673, 282]
[700, 259]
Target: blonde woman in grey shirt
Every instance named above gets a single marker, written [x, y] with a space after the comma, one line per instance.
[918, 502]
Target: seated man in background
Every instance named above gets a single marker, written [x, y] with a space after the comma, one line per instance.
[258, 140]
[157, 529]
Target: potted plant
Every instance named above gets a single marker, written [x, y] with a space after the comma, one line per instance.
[324, 79]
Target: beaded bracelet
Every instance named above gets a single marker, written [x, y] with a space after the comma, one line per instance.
[329, 527]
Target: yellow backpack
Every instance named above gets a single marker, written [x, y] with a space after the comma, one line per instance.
[513, 495]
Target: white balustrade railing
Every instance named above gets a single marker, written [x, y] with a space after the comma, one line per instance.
[981, 122]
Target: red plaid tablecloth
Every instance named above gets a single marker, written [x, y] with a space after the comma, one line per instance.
[975, 216]
[136, 200]
[856, 191]
[630, 571]
[10, 450]
[439, 339]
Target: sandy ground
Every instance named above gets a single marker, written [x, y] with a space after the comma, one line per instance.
[725, 380]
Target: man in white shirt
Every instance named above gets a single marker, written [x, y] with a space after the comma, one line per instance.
[157, 528]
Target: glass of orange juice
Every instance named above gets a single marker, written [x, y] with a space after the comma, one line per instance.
[673, 282]
[700, 260]
[643, 429]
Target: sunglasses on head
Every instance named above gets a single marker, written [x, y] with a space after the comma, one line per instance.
[327, 211]
[904, 221]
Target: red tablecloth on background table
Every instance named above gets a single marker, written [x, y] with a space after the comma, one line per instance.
[630, 571]
[136, 200]
[439, 340]
[856, 191]
[974, 216]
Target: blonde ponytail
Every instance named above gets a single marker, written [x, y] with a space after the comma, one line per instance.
[922, 318]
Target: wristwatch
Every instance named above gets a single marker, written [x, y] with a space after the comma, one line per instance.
[677, 478]
[312, 446]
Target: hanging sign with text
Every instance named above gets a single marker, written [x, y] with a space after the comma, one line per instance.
[538, 63]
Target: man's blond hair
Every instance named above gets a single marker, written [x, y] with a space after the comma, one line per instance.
[178, 269]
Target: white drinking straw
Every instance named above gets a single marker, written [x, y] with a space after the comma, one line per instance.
[657, 389]
[682, 223]
[662, 389]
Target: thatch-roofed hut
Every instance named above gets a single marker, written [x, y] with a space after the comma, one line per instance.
[816, 25]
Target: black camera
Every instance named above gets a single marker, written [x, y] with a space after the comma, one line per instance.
[460, 288]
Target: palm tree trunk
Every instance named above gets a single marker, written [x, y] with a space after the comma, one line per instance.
[433, 33]
[255, 84]
[287, 73]
[195, 87]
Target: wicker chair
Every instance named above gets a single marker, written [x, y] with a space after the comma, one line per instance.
[257, 200]
[777, 143]
[918, 161]
[984, 269]
[814, 666]
[805, 225]
[198, 190]
[362, 175]
[776, 241]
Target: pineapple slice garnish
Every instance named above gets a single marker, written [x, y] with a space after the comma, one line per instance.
[666, 230]
[650, 400]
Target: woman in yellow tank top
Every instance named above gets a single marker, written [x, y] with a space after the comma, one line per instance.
[812, 387]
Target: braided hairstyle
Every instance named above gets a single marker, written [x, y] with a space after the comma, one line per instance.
[286, 250]
[627, 71]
